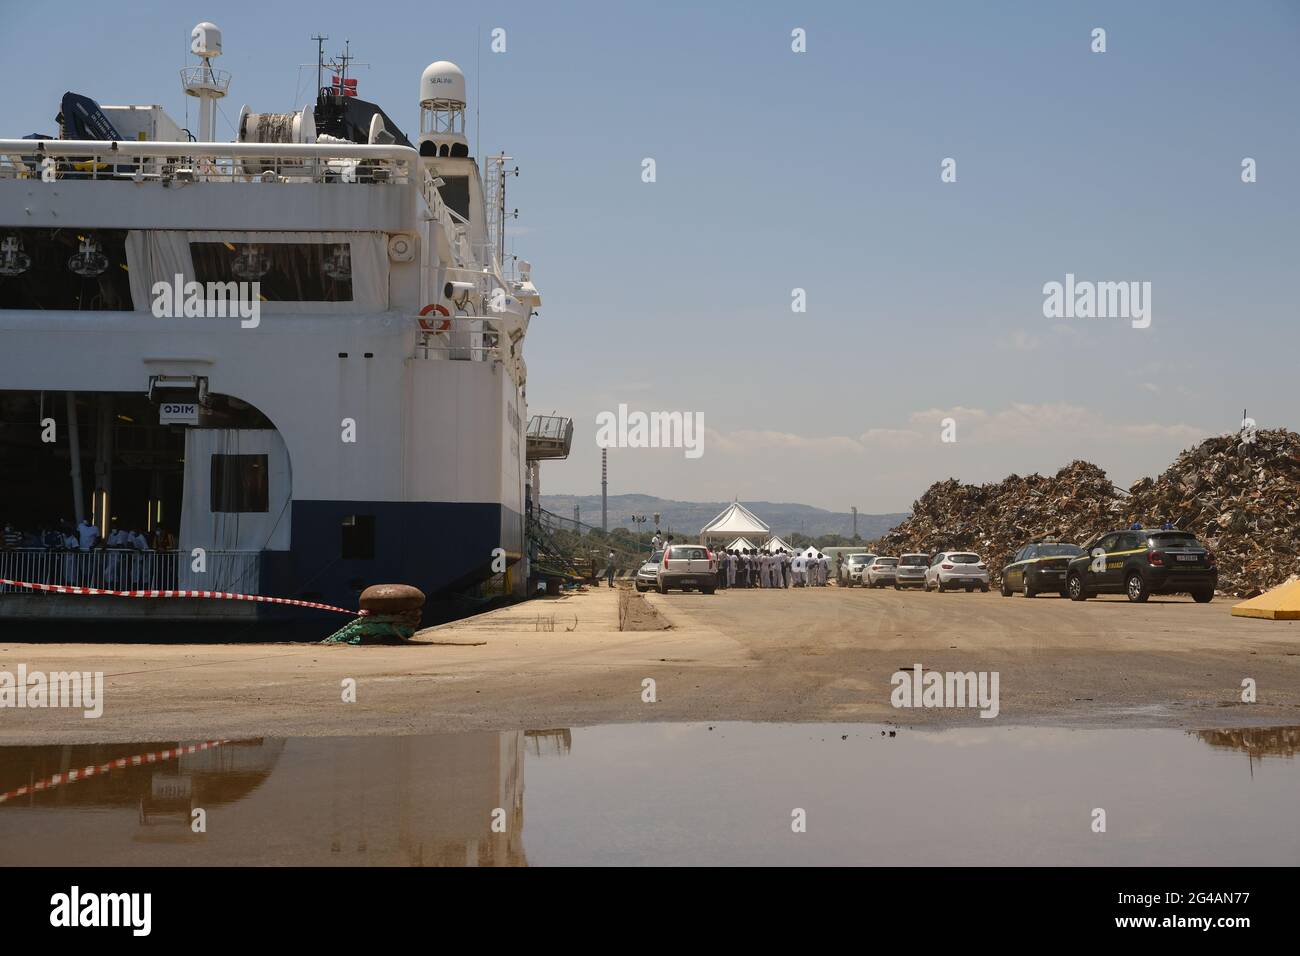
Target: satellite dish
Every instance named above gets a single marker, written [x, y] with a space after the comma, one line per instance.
[379, 134]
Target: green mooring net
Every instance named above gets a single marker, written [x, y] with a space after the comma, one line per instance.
[377, 629]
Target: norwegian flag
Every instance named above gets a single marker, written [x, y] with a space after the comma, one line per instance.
[342, 87]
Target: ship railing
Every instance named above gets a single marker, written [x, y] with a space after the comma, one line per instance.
[128, 569]
[460, 338]
[455, 226]
[179, 163]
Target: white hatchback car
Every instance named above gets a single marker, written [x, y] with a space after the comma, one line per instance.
[951, 570]
[687, 567]
[880, 572]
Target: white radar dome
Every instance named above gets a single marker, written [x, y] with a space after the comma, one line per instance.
[442, 81]
[205, 40]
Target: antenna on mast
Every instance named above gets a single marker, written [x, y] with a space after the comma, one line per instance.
[204, 82]
[340, 85]
[320, 59]
[496, 202]
[478, 87]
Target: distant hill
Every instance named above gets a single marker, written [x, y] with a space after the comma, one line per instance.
[689, 516]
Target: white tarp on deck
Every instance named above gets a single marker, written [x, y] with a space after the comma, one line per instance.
[159, 255]
[203, 522]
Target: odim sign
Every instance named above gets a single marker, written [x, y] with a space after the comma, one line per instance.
[178, 413]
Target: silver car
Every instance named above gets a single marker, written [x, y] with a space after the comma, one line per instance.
[911, 571]
[647, 576]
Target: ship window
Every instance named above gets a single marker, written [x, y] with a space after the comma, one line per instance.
[240, 483]
[359, 538]
[455, 193]
[286, 271]
[73, 269]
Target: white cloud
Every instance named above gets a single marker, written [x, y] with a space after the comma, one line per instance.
[748, 441]
[1016, 425]
[891, 437]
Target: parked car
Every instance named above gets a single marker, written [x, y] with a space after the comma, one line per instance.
[911, 571]
[687, 566]
[880, 571]
[957, 569]
[647, 576]
[1139, 563]
[851, 568]
[839, 557]
[1037, 567]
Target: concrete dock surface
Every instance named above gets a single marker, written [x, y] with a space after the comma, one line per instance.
[817, 654]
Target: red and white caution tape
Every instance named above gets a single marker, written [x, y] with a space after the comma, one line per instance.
[139, 760]
[214, 595]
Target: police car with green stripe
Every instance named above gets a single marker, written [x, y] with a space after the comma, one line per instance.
[1139, 562]
[1039, 566]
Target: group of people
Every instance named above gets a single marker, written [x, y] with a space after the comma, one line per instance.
[85, 536]
[78, 555]
[752, 568]
[755, 568]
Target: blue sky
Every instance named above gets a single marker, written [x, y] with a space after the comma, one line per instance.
[820, 170]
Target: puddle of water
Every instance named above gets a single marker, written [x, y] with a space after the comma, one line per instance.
[652, 794]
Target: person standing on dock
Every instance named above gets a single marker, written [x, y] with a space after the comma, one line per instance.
[731, 568]
[609, 569]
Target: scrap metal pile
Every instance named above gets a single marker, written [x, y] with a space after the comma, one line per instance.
[1241, 497]
[996, 519]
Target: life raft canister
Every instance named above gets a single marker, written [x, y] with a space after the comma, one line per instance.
[434, 326]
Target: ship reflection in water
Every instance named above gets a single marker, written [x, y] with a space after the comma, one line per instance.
[663, 794]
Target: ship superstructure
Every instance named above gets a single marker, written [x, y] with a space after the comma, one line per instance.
[290, 364]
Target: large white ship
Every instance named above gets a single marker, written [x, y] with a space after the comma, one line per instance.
[360, 418]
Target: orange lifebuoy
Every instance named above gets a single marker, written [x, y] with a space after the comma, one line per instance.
[442, 326]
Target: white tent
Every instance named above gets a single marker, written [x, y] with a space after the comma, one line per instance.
[776, 544]
[735, 520]
[740, 544]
